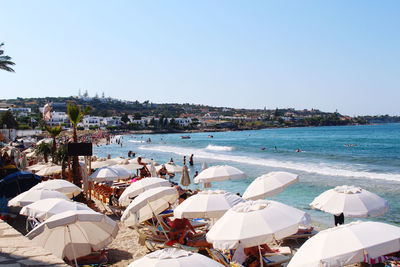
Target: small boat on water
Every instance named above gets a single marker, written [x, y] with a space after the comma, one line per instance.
[185, 137]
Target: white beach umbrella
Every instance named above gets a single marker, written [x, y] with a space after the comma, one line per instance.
[130, 165]
[102, 162]
[140, 186]
[60, 185]
[152, 169]
[269, 185]
[351, 201]
[37, 167]
[254, 223]
[143, 159]
[73, 234]
[220, 173]
[45, 208]
[45, 140]
[149, 203]
[170, 168]
[207, 204]
[347, 244]
[173, 257]
[31, 196]
[204, 166]
[111, 173]
[185, 179]
[49, 169]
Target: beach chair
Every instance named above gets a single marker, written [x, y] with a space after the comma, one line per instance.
[301, 237]
[276, 260]
[218, 257]
[31, 223]
[98, 258]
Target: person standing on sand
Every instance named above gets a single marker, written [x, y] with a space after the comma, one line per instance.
[184, 160]
[191, 160]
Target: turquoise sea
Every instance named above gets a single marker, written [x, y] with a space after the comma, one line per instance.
[326, 159]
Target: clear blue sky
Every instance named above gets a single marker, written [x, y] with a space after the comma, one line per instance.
[328, 55]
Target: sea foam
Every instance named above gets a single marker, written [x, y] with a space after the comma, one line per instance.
[308, 167]
[219, 148]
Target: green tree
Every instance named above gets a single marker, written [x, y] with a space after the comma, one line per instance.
[75, 115]
[54, 132]
[7, 118]
[125, 118]
[44, 149]
[5, 61]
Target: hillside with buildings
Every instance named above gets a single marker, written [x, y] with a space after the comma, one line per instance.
[116, 114]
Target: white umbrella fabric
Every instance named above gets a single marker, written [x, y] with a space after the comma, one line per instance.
[347, 244]
[102, 162]
[60, 185]
[204, 166]
[130, 165]
[351, 201]
[149, 203]
[49, 169]
[254, 223]
[112, 173]
[220, 173]
[140, 186]
[73, 234]
[170, 168]
[173, 257]
[32, 195]
[207, 204]
[152, 169]
[269, 185]
[45, 208]
[37, 167]
[185, 179]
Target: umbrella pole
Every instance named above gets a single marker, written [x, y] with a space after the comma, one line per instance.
[261, 257]
[73, 250]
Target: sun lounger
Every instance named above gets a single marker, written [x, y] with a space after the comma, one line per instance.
[218, 256]
[301, 236]
[276, 260]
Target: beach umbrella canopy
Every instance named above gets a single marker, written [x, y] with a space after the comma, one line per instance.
[74, 233]
[351, 201]
[18, 182]
[30, 196]
[60, 185]
[152, 169]
[219, 173]
[140, 186]
[254, 223]
[111, 173]
[49, 169]
[173, 257]
[45, 208]
[347, 244]
[130, 165]
[207, 204]
[37, 167]
[102, 162]
[149, 203]
[170, 168]
[269, 185]
[45, 140]
[185, 179]
[144, 160]
[204, 166]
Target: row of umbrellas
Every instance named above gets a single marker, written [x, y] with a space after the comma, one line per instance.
[261, 221]
[68, 229]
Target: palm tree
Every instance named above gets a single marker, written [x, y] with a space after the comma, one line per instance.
[54, 132]
[44, 149]
[75, 115]
[5, 61]
[62, 157]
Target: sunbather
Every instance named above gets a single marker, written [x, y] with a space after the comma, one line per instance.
[184, 233]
